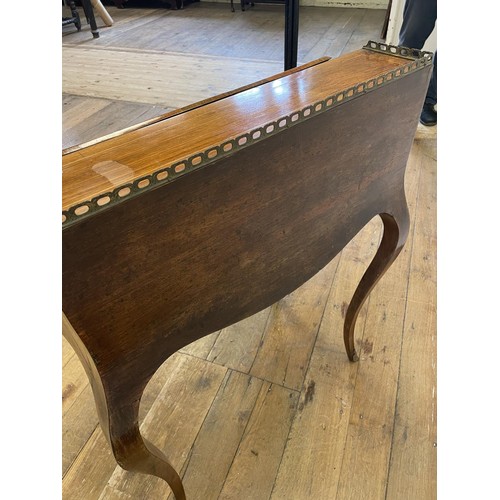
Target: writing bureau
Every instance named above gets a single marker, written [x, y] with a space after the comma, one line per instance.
[190, 222]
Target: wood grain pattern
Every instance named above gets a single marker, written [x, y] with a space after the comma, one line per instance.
[337, 33]
[240, 264]
[154, 77]
[415, 413]
[201, 348]
[311, 463]
[289, 340]
[238, 344]
[217, 443]
[90, 471]
[75, 429]
[259, 179]
[90, 481]
[174, 428]
[256, 34]
[371, 410]
[87, 119]
[311, 447]
[67, 352]
[257, 459]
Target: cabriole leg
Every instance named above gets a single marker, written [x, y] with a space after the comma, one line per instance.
[119, 419]
[396, 227]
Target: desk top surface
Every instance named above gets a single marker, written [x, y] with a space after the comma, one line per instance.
[105, 172]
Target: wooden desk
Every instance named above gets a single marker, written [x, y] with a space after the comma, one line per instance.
[195, 220]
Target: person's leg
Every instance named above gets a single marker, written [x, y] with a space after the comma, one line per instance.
[419, 19]
[431, 97]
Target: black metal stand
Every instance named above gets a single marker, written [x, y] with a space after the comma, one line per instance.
[291, 26]
[89, 14]
[291, 33]
[75, 17]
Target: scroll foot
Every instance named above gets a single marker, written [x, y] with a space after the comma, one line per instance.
[396, 229]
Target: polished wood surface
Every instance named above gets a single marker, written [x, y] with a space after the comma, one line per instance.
[104, 166]
[192, 106]
[148, 275]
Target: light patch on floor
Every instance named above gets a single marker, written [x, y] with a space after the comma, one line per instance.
[153, 77]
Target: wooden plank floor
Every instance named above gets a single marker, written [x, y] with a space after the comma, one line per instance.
[269, 407]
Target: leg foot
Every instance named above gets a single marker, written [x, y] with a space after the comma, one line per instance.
[136, 454]
[396, 228]
[118, 410]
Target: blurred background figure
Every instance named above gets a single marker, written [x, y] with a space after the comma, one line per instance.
[419, 19]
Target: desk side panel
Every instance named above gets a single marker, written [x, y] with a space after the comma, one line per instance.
[221, 243]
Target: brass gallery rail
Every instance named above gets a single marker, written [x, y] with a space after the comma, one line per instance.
[195, 220]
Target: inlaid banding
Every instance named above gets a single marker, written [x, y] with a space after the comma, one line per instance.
[162, 175]
[179, 167]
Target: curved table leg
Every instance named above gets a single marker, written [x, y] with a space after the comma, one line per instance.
[396, 227]
[119, 419]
